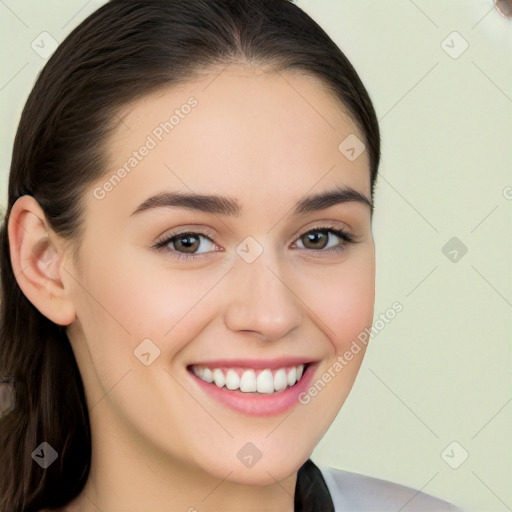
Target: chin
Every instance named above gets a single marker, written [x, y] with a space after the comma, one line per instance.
[271, 467]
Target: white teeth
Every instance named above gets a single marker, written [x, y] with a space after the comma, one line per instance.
[292, 377]
[280, 380]
[248, 381]
[207, 375]
[218, 378]
[266, 382]
[232, 380]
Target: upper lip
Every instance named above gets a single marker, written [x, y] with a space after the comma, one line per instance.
[274, 363]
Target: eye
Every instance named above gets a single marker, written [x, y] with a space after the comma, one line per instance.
[187, 244]
[322, 238]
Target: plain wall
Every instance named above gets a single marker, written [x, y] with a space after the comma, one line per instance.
[440, 371]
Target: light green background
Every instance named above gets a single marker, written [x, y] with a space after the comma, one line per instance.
[441, 370]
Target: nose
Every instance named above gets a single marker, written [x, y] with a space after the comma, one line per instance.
[261, 301]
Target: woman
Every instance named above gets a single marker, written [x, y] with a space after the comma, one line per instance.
[186, 255]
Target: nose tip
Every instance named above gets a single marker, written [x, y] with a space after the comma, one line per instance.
[262, 302]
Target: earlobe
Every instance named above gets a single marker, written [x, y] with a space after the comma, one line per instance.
[36, 255]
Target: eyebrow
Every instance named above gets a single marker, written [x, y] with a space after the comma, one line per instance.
[222, 205]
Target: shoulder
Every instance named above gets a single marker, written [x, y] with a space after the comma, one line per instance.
[353, 492]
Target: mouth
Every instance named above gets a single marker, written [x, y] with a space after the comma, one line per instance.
[256, 388]
[250, 380]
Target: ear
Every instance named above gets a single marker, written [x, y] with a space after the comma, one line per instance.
[36, 258]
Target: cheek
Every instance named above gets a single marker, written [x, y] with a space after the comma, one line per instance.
[343, 299]
[128, 300]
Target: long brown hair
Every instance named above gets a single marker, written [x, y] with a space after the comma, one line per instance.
[122, 52]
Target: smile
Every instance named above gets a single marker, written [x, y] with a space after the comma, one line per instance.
[263, 381]
[254, 388]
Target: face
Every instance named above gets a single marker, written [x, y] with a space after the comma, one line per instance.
[256, 290]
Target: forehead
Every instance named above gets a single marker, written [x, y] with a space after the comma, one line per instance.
[239, 130]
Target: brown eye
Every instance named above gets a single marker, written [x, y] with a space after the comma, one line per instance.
[188, 242]
[325, 239]
[315, 239]
[186, 245]
[191, 245]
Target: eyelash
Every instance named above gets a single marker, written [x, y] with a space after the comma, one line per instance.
[161, 244]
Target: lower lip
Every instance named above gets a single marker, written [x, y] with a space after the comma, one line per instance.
[253, 404]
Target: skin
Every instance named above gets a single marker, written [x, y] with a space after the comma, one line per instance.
[159, 443]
